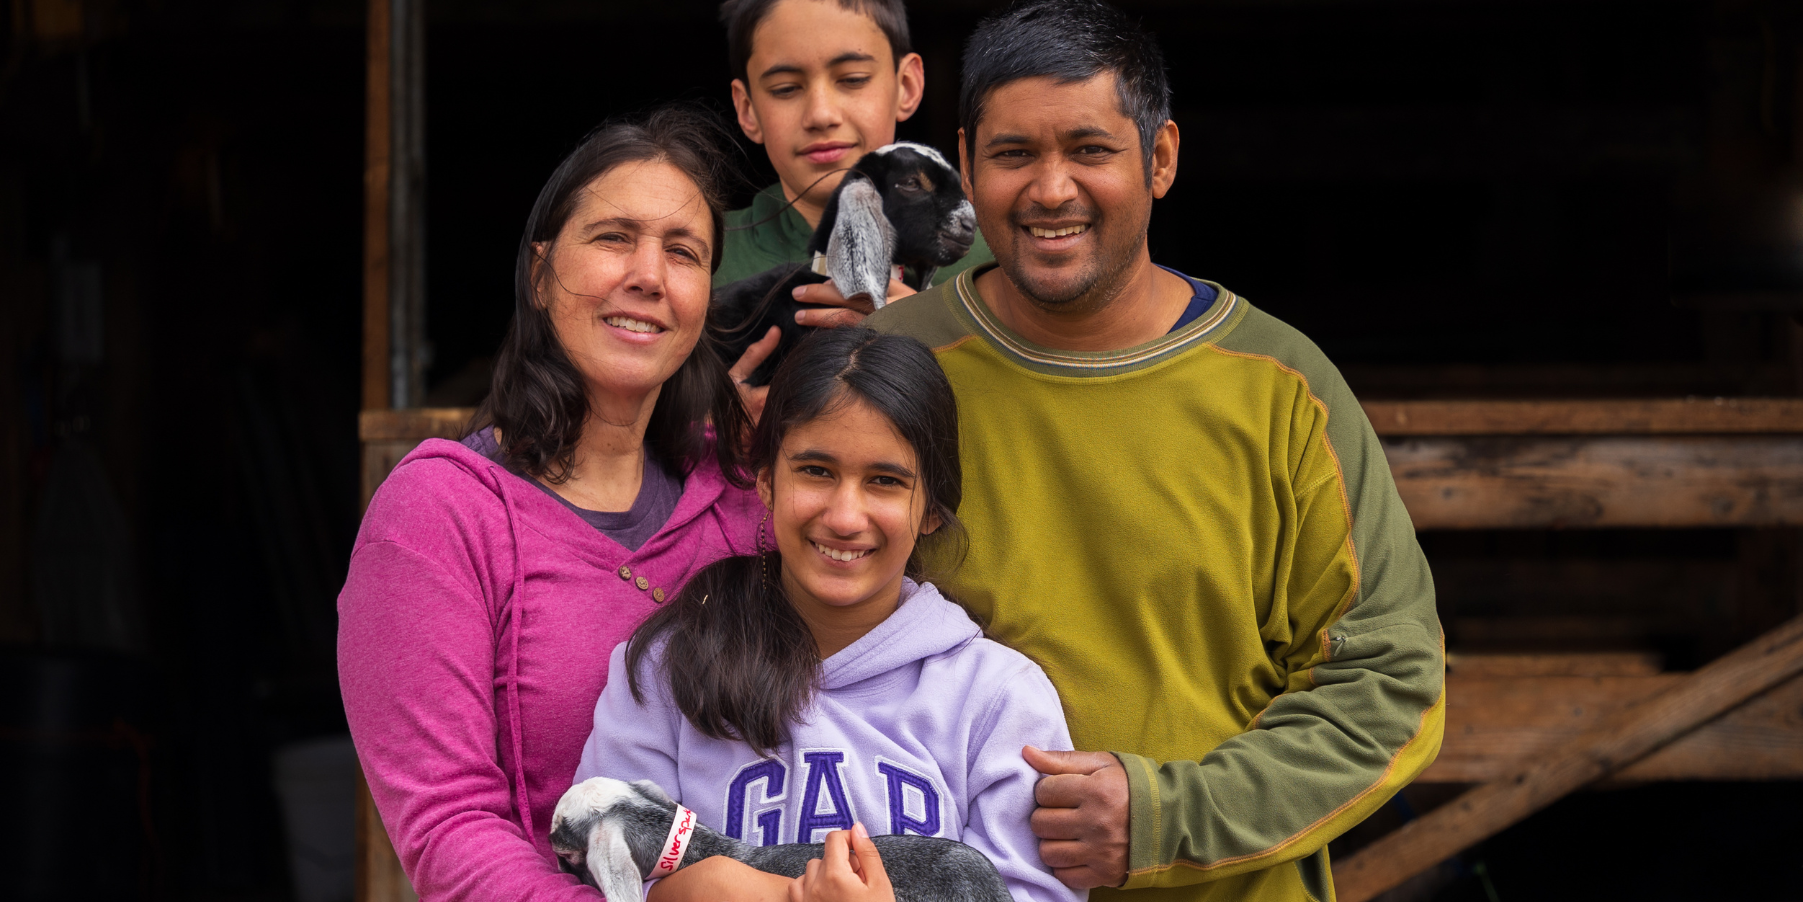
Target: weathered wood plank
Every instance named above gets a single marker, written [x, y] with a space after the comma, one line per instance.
[1493, 722]
[379, 877]
[1605, 481]
[378, 134]
[415, 424]
[1612, 743]
[1488, 666]
[1663, 416]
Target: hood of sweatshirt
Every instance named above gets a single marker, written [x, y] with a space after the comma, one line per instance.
[925, 624]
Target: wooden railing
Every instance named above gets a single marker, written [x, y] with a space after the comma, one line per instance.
[1511, 465]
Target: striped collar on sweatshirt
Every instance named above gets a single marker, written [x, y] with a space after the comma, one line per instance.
[1211, 325]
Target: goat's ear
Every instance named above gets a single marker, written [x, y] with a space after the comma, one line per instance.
[653, 792]
[610, 863]
[861, 244]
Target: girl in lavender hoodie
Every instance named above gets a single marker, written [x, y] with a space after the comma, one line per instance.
[818, 685]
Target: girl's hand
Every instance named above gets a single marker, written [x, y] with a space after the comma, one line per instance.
[850, 870]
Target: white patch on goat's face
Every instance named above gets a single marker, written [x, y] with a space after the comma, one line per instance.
[594, 795]
[921, 149]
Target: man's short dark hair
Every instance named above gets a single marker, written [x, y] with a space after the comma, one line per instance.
[1069, 41]
[741, 18]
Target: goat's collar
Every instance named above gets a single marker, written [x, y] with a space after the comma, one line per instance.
[818, 266]
[669, 856]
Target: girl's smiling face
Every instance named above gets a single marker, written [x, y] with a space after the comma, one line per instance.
[847, 505]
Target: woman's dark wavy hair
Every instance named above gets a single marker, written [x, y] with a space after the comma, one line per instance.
[740, 662]
[536, 400]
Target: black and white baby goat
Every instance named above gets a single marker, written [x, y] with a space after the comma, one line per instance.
[900, 206]
[614, 836]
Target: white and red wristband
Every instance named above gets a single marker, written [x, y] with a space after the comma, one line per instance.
[669, 856]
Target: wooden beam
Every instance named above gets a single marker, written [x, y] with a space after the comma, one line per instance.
[378, 146]
[1602, 481]
[379, 877]
[414, 425]
[1612, 743]
[1494, 722]
[1666, 416]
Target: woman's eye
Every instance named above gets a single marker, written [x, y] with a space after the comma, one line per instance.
[815, 471]
[889, 481]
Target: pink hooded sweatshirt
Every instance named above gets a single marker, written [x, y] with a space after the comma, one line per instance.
[473, 638]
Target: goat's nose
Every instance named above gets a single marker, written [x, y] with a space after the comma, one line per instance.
[962, 223]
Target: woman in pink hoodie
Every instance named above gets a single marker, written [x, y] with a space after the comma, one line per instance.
[492, 577]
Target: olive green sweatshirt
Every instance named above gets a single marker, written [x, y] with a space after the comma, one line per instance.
[1200, 542]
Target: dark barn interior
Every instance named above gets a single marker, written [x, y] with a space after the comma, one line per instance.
[1489, 199]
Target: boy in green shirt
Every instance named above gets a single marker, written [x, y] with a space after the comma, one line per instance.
[819, 83]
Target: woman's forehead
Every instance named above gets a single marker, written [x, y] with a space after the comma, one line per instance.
[653, 193]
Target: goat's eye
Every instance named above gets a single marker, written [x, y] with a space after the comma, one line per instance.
[911, 183]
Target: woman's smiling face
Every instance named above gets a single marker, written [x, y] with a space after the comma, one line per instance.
[847, 506]
[628, 285]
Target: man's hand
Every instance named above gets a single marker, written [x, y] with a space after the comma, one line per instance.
[1081, 820]
[850, 870]
[755, 354]
[852, 310]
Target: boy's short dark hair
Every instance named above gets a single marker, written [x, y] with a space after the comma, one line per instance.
[1066, 40]
[741, 18]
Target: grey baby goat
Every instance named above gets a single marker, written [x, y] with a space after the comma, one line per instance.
[611, 835]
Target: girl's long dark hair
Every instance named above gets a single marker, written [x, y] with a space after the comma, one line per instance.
[740, 662]
[536, 401]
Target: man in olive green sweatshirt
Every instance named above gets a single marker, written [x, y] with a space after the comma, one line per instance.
[1175, 504]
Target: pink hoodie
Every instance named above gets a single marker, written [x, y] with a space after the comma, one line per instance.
[473, 639]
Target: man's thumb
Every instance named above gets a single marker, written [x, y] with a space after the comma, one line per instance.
[1050, 763]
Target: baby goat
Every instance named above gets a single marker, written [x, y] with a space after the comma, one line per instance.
[614, 836]
[901, 205]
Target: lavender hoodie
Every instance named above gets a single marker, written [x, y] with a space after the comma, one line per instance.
[472, 635]
[917, 728]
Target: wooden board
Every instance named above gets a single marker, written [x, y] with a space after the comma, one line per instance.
[416, 424]
[1492, 723]
[1604, 481]
[1664, 416]
[1610, 743]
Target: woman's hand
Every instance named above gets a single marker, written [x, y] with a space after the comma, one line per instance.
[740, 371]
[850, 870]
[851, 310]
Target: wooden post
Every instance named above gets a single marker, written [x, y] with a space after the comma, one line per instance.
[392, 77]
[376, 156]
[1614, 743]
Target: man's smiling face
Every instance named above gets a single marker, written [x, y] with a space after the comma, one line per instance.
[1060, 188]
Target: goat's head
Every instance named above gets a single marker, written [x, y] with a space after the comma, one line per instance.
[924, 199]
[901, 204]
[608, 833]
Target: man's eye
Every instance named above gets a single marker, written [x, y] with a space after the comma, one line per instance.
[781, 91]
[855, 81]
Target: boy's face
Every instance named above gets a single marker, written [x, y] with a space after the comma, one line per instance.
[823, 90]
